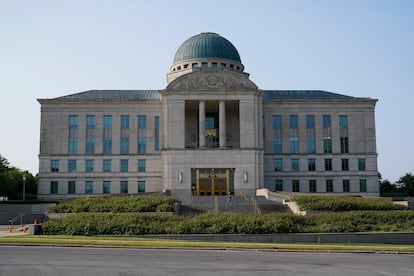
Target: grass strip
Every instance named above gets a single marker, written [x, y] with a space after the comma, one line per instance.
[134, 242]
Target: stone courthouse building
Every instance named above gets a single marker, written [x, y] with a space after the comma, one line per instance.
[210, 131]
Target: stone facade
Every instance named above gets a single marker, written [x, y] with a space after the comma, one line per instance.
[211, 131]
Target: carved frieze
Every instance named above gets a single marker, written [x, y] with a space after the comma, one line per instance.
[211, 81]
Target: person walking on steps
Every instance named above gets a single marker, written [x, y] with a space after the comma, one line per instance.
[229, 198]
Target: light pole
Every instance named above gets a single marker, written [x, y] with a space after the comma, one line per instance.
[24, 187]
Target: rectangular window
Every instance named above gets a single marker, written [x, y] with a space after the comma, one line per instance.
[142, 121]
[156, 133]
[72, 187]
[295, 186]
[73, 134]
[124, 187]
[106, 187]
[278, 185]
[327, 134]
[311, 165]
[294, 134]
[141, 186]
[326, 121]
[361, 164]
[294, 164]
[277, 145]
[89, 165]
[343, 121]
[310, 133]
[363, 185]
[142, 145]
[107, 165]
[329, 186]
[310, 144]
[310, 121]
[343, 133]
[107, 135]
[344, 144]
[142, 165]
[214, 65]
[312, 186]
[328, 164]
[124, 165]
[71, 165]
[345, 164]
[54, 187]
[142, 139]
[124, 145]
[54, 165]
[89, 187]
[278, 164]
[90, 134]
[277, 134]
[346, 186]
[204, 65]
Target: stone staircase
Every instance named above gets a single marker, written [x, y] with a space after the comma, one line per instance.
[240, 205]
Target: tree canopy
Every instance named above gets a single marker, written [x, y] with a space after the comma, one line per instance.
[11, 182]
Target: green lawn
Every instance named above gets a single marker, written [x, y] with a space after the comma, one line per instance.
[164, 243]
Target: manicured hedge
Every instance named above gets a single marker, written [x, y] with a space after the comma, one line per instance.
[343, 203]
[105, 204]
[137, 224]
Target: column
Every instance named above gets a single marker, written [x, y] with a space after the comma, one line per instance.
[201, 124]
[222, 124]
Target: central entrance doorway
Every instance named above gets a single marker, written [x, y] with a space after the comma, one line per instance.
[212, 181]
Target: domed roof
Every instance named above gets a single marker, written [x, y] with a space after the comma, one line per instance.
[206, 45]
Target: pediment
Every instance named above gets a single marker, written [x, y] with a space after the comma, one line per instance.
[208, 80]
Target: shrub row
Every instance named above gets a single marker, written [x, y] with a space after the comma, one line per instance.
[343, 203]
[117, 204]
[138, 224]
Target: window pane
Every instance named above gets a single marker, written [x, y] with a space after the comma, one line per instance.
[107, 165]
[54, 165]
[141, 186]
[278, 185]
[53, 187]
[71, 187]
[107, 187]
[326, 121]
[361, 164]
[142, 121]
[295, 186]
[278, 165]
[89, 165]
[124, 187]
[343, 121]
[124, 165]
[72, 166]
[141, 165]
[363, 185]
[276, 122]
[310, 121]
[295, 164]
[89, 187]
[329, 186]
[346, 186]
[345, 164]
[142, 145]
[312, 186]
[311, 164]
[328, 164]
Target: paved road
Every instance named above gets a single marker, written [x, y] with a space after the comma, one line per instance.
[61, 261]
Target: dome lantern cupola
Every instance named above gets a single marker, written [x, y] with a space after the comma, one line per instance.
[205, 51]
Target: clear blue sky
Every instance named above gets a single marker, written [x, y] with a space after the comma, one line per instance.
[359, 48]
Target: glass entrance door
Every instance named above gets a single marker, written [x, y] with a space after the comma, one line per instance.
[210, 182]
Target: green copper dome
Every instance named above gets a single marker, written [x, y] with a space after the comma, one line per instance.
[206, 45]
